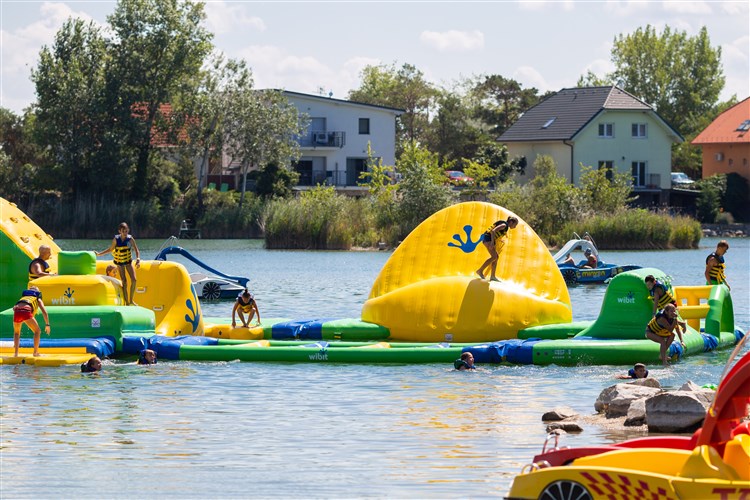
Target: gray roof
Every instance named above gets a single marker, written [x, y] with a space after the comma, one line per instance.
[571, 110]
[396, 111]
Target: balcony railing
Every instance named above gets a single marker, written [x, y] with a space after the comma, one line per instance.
[323, 140]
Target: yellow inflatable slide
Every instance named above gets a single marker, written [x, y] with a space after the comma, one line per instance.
[164, 288]
[428, 289]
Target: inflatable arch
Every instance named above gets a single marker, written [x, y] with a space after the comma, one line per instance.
[428, 290]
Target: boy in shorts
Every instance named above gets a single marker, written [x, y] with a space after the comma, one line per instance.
[24, 312]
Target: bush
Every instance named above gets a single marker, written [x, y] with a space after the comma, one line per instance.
[319, 219]
[637, 229]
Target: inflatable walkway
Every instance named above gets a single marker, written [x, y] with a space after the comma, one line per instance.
[426, 306]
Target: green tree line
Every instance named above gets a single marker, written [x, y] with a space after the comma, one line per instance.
[124, 117]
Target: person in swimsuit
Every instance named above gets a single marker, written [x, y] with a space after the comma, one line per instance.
[24, 312]
[465, 362]
[495, 232]
[714, 272]
[39, 266]
[147, 357]
[92, 365]
[661, 294]
[121, 249]
[661, 330]
[245, 304]
[638, 371]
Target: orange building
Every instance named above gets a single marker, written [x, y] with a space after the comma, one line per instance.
[726, 142]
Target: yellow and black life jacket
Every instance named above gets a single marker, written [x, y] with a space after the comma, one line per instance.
[666, 297]
[659, 330]
[30, 297]
[246, 307]
[44, 265]
[121, 253]
[716, 273]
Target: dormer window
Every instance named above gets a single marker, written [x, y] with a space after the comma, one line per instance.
[549, 122]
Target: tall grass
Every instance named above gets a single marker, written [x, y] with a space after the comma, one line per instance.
[98, 217]
[319, 219]
[636, 229]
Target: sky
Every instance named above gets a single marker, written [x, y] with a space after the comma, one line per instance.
[305, 46]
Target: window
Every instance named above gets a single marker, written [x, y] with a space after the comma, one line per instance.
[606, 130]
[549, 122]
[638, 130]
[744, 126]
[731, 162]
[364, 126]
[608, 165]
[638, 169]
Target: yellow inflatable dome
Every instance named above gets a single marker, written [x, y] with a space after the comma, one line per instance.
[428, 290]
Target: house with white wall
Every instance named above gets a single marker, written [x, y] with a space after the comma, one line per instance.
[600, 127]
[334, 146]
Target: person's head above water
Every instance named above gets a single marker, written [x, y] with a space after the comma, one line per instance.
[147, 357]
[92, 365]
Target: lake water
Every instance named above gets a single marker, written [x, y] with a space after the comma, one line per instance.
[218, 430]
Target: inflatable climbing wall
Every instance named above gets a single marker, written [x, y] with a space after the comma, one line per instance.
[428, 290]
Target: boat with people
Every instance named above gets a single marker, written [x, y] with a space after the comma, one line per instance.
[714, 462]
[582, 272]
[419, 310]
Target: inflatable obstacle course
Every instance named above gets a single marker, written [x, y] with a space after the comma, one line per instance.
[426, 306]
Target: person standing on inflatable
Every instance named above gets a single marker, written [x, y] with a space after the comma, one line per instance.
[496, 232]
[715, 265]
[121, 249]
[245, 303]
[24, 312]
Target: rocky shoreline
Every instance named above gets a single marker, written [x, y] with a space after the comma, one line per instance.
[639, 407]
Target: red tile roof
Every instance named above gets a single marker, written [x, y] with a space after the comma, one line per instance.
[732, 126]
[159, 138]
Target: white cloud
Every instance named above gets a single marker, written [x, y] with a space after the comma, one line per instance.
[683, 7]
[625, 8]
[533, 5]
[600, 67]
[20, 51]
[530, 77]
[735, 8]
[274, 67]
[735, 57]
[453, 40]
[225, 18]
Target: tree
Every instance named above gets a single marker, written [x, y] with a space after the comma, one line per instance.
[203, 114]
[603, 195]
[681, 76]
[453, 132]
[403, 88]
[495, 156]
[159, 48]
[71, 115]
[503, 100]
[421, 188]
[262, 128]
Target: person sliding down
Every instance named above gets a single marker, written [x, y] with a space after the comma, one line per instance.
[496, 232]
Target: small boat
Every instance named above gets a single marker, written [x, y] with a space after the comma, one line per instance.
[207, 286]
[712, 463]
[574, 273]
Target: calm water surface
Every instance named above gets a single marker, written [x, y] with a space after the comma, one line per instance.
[196, 430]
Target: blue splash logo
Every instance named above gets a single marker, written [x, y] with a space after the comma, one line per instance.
[195, 311]
[627, 299]
[66, 299]
[467, 246]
